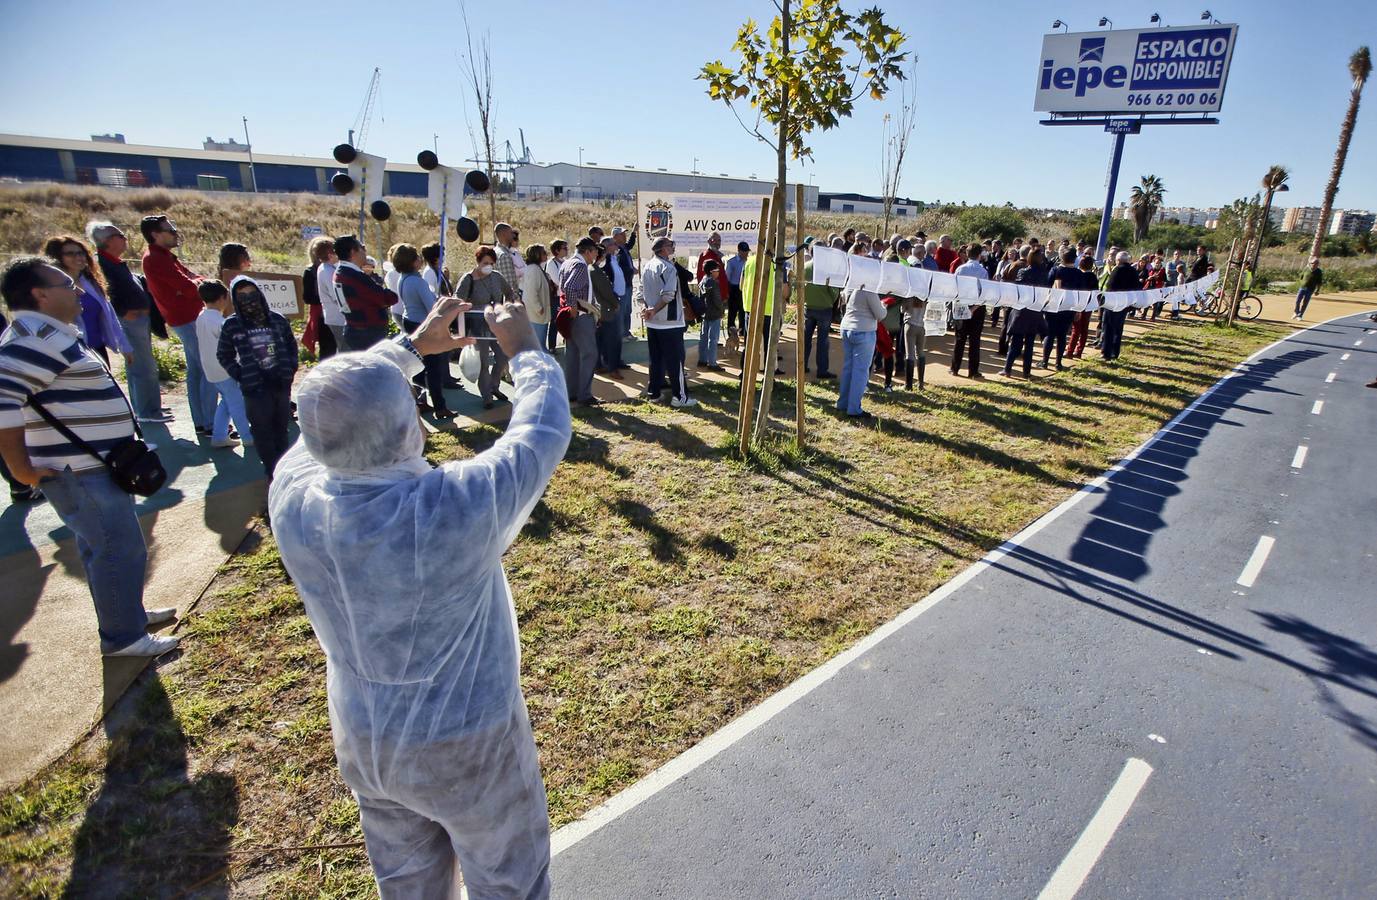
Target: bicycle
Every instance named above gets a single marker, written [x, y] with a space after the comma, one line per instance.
[1211, 304]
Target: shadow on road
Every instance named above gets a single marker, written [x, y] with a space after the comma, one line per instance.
[1129, 514]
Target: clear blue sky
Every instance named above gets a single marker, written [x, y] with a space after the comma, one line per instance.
[617, 78]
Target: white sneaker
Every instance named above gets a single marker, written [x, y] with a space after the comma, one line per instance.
[682, 404]
[160, 616]
[225, 444]
[158, 419]
[148, 645]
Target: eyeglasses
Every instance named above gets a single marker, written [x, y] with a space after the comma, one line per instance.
[80, 253]
[66, 284]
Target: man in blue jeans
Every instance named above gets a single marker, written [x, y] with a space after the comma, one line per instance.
[44, 362]
[1313, 279]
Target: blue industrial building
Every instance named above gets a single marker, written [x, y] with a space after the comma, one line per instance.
[132, 165]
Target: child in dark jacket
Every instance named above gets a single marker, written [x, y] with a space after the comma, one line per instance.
[710, 328]
[258, 350]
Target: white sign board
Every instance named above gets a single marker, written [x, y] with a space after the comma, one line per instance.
[445, 191]
[311, 232]
[689, 218]
[283, 292]
[1135, 70]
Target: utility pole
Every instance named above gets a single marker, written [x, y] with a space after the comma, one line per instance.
[580, 174]
[253, 175]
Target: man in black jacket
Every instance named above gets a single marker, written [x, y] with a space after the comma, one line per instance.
[133, 305]
[1123, 278]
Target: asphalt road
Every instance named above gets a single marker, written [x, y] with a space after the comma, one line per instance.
[965, 751]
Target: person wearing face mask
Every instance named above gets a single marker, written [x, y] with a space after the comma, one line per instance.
[258, 350]
[485, 286]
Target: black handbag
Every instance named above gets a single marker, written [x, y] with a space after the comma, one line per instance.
[131, 464]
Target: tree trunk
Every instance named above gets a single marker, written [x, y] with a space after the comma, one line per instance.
[1340, 155]
[777, 240]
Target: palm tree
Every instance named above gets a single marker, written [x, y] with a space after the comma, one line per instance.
[1273, 181]
[1359, 66]
[1146, 199]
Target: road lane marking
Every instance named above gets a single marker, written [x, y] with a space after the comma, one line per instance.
[1256, 561]
[1075, 868]
[1344, 357]
[1299, 459]
[1330, 378]
[1315, 410]
[1357, 343]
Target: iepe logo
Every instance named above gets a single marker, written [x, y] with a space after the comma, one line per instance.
[1086, 75]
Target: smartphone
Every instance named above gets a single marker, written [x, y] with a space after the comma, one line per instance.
[473, 325]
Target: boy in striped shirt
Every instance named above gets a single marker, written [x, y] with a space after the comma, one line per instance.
[43, 358]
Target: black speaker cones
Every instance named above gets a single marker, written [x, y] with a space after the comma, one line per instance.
[341, 182]
[345, 154]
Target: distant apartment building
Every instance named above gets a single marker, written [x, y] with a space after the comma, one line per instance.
[1184, 215]
[1352, 221]
[1301, 219]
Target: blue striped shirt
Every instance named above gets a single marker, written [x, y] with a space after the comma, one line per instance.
[43, 359]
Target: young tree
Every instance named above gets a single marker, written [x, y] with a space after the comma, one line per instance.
[1359, 66]
[803, 74]
[896, 138]
[476, 66]
[1145, 200]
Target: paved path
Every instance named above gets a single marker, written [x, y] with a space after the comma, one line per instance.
[54, 686]
[1175, 673]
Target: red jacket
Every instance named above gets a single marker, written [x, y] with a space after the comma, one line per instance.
[722, 281]
[945, 257]
[369, 302]
[172, 285]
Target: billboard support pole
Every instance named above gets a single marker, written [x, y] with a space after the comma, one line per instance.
[1115, 158]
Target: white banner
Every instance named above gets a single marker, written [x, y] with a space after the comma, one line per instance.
[688, 219]
[835, 267]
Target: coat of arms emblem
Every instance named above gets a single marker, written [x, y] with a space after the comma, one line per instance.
[659, 221]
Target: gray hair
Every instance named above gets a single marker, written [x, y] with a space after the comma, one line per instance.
[98, 232]
[930, 246]
[1124, 256]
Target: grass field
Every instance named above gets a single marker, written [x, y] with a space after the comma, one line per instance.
[663, 588]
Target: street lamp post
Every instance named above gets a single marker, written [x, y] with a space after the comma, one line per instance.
[253, 175]
[580, 173]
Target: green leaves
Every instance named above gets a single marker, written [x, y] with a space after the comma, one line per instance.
[834, 58]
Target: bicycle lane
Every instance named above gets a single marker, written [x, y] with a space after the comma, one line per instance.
[965, 751]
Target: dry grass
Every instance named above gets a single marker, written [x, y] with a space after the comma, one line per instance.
[663, 588]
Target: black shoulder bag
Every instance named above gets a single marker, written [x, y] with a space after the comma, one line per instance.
[132, 465]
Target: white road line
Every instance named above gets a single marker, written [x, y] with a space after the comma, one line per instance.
[737, 729]
[1256, 561]
[1299, 459]
[1075, 868]
[1330, 377]
[1357, 343]
[1315, 410]
[1344, 357]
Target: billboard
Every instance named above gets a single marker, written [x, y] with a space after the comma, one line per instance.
[1135, 70]
[689, 218]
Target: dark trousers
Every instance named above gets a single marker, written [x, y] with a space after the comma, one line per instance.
[1113, 332]
[666, 361]
[270, 416]
[764, 339]
[736, 312]
[819, 320]
[1058, 325]
[363, 338]
[435, 374]
[325, 341]
[610, 343]
[968, 334]
[1020, 345]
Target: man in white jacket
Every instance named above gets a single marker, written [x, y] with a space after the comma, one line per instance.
[665, 326]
